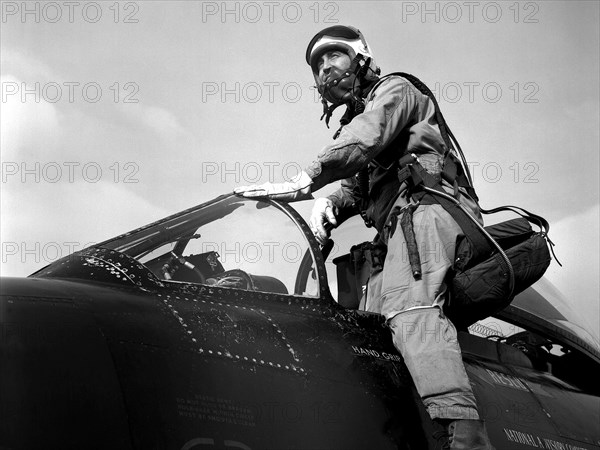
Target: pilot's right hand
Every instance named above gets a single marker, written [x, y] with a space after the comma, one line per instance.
[322, 219]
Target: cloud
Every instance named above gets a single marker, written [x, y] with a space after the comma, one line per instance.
[24, 66]
[156, 120]
[33, 237]
[28, 127]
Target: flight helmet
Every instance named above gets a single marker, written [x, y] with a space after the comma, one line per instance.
[363, 69]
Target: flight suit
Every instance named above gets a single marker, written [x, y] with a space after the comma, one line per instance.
[397, 120]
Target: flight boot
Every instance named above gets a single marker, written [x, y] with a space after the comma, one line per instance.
[463, 434]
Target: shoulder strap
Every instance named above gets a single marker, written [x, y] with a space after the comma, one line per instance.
[422, 87]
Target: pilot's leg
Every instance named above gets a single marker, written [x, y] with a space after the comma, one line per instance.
[424, 336]
[429, 346]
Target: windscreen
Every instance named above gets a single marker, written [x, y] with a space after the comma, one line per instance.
[232, 242]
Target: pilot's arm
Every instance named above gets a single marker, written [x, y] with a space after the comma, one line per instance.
[390, 108]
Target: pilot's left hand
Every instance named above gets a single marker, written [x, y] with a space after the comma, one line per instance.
[298, 188]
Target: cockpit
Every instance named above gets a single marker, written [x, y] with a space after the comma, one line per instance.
[230, 242]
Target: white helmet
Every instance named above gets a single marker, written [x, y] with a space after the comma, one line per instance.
[345, 38]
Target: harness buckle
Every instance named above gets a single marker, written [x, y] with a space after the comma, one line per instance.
[368, 221]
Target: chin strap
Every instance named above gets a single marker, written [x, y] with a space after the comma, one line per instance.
[328, 110]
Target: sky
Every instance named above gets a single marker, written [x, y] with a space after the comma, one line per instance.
[115, 114]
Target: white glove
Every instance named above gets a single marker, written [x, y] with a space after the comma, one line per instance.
[322, 219]
[291, 191]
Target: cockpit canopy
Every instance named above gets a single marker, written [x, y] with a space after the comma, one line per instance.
[229, 242]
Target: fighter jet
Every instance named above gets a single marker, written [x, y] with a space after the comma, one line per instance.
[225, 327]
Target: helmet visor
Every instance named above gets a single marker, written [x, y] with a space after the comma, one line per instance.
[346, 37]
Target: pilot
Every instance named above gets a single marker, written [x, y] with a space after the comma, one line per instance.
[387, 118]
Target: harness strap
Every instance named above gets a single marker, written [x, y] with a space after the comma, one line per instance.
[406, 224]
[464, 177]
[442, 198]
[532, 218]
[420, 177]
[363, 185]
